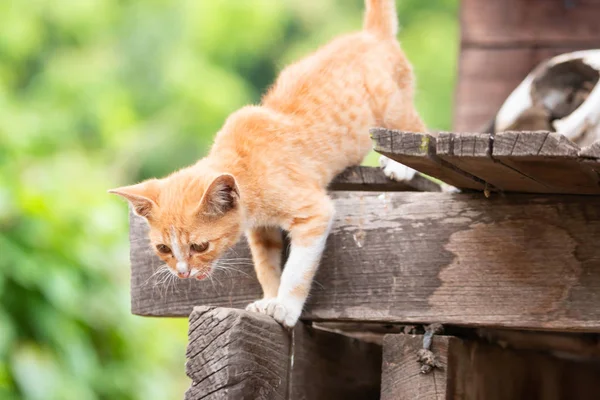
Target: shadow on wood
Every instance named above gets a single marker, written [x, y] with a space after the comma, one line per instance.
[370, 179]
[472, 371]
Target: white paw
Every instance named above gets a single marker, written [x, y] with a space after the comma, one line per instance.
[396, 171]
[259, 306]
[449, 189]
[286, 314]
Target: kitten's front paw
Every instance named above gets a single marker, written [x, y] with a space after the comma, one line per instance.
[448, 188]
[396, 171]
[259, 306]
[286, 314]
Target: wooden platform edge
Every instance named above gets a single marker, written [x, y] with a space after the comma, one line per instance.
[526, 162]
[234, 354]
[418, 151]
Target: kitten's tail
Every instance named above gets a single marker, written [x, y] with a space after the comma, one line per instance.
[381, 18]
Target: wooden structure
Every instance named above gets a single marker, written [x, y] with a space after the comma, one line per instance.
[527, 162]
[513, 277]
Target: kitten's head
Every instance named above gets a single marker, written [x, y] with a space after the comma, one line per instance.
[192, 220]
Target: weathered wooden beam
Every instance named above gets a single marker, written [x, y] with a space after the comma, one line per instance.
[548, 158]
[472, 152]
[533, 162]
[234, 354]
[418, 152]
[373, 179]
[522, 261]
[525, 23]
[472, 370]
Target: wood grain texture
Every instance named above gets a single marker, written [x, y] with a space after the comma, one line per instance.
[417, 150]
[373, 179]
[473, 370]
[401, 377]
[486, 77]
[525, 23]
[530, 162]
[521, 261]
[548, 158]
[472, 152]
[234, 354]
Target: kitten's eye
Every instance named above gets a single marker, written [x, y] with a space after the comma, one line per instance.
[199, 247]
[163, 249]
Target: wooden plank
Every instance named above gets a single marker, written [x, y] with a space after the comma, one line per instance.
[548, 158]
[486, 77]
[474, 370]
[234, 354]
[511, 23]
[417, 150]
[427, 257]
[592, 151]
[373, 179]
[401, 377]
[472, 152]
[530, 162]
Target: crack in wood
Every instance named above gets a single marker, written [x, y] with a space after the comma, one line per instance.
[491, 155]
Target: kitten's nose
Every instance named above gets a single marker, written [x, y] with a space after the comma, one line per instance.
[184, 275]
[182, 270]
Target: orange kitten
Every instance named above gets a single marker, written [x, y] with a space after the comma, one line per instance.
[270, 165]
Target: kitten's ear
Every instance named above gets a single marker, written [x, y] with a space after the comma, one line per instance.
[141, 196]
[221, 196]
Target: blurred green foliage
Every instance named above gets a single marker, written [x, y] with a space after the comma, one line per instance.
[99, 93]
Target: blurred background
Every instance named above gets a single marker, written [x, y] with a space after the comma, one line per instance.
[96, 94]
